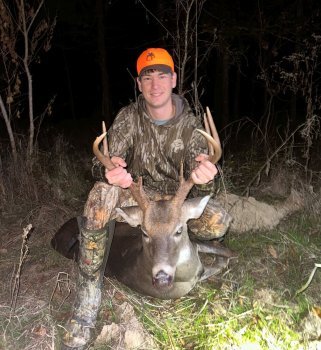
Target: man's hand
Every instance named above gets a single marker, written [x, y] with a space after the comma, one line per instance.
[119, 176]
[205, 170]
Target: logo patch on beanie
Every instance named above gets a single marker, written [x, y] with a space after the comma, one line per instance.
[150, 56]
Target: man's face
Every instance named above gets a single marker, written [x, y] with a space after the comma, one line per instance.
[157, 87]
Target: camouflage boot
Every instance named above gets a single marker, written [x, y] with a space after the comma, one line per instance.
[93, 253]
[212, 224]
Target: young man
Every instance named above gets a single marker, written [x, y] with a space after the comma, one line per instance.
[150, 138]
[159, 124]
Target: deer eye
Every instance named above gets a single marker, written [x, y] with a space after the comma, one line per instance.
[179, 232]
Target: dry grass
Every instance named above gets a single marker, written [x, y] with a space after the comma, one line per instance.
[42, 194]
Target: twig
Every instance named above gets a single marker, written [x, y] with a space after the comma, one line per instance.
[64, 280]
[23, 254]
[306, 285]
[156, 19]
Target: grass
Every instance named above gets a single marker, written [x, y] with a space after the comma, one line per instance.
[253, 305]
[183, 325]
[31, 327]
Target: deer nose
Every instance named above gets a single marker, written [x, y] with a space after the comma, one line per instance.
[162, 279]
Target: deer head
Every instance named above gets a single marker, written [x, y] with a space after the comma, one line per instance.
[164, 223]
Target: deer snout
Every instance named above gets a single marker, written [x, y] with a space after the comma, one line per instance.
[162, 279]
[163, 275]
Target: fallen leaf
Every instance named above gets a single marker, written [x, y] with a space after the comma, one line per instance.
[39, 331]
[317, 311]
[273, 252]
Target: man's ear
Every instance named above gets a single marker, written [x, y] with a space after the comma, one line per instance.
[132, 215]
[174, 80]
[139, 84]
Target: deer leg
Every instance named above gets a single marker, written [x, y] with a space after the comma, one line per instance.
[216, 248]
[220, 264]
[92, 261]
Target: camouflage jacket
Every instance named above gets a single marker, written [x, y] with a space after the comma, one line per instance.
[155, 152]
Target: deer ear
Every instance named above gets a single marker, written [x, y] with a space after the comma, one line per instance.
[193, 208]
[132, 215]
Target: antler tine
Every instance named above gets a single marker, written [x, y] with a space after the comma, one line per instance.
[136, 189]
[213, 132]
[104, 159]
[140, 196]
[105, 145]
[212, 137]
[183, 189]
[208, 131]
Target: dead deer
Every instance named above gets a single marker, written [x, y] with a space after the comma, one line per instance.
[155, 256]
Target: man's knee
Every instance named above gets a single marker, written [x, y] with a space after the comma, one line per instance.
[212, 224]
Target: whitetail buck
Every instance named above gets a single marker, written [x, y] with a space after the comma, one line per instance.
[155, 256]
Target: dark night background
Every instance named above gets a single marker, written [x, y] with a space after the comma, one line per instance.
[73, 65]
[249, 36]
[90, 67]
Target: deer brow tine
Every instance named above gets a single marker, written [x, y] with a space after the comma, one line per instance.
[208, 131]
[105, 144]
[214, 132]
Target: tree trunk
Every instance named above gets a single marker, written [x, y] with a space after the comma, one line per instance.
[9, 130]
[236, 99]
[105, 108]
[293, 99]
[293, 108]
[225, 88]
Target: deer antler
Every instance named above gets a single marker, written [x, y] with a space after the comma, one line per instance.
[215, 153]
[136, 189]
[213, 140]
[140, 196]
[104, 159]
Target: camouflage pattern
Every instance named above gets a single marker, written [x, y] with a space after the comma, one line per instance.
[155, 152]
[92, 261]
[212, 224]
[91, 250]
